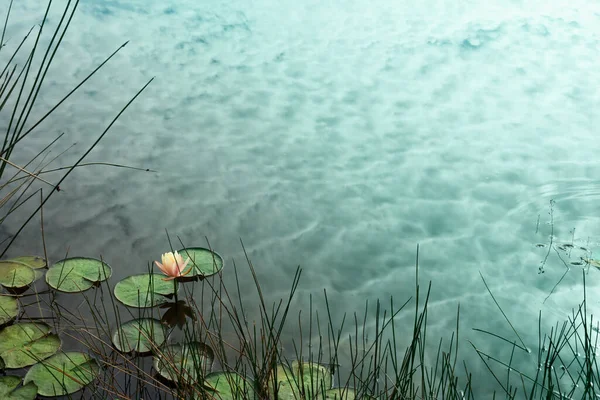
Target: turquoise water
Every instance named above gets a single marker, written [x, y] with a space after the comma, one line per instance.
[337, 136]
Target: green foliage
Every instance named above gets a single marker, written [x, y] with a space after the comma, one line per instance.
[26, 343]
[9, 308]
[229, 386]
[204, 261]
[63, 373]
[145, 290]
[15, 274]
[309, 378]
[11, 389]
[341, 394]
[184, 363]
[141, 335]
[33, 262]
[77, 274]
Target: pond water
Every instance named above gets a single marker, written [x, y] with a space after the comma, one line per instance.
[337, 136]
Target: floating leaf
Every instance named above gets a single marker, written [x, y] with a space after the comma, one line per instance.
[229, 385]
[77, 274]
[15, 274]
[141, 335]
[27, 343]
[316, 378]
[342, 394]
[187, 362]
[204, 261]
[33, 262]
[146, 290]
[63, 373]
[285, 383]
[9, 308]
[10, 390]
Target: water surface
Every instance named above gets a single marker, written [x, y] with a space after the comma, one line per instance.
[337, 136]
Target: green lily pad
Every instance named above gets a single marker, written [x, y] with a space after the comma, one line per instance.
[33, 262]
[316, 379]
[15, 274]
[204, 261]
[38, 264]
[229, 385]
[10, 390]
[146, 290]
[77, 274]
[63, 373]
[141, 335]
[9, 308]
[27, 343]
[285, 383]
[342, 394]
[188, 362]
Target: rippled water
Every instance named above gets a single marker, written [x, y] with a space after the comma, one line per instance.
[337, 136]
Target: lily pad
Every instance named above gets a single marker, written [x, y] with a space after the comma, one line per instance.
[188, 362]
[15, 274]
[77, 274]
[63, 373]
[146, 290]
[10, 390]
[342, 394]
[141, 335]
[316, 379]
[204, 261]
[27, 343]
[229, 385]
[33, 262]
[9, 308]
[284, 379]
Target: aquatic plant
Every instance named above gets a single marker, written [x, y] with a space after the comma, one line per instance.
[173, 266]
[206, 345]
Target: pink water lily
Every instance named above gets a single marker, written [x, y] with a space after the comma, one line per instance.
[173, 265]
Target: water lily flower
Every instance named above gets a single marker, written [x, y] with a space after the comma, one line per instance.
[173, 265]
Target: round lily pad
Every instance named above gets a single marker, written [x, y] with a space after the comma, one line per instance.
[341, 394]
[27, 343]
[229, 385]
[284, 379]
[38, 264]
[188, 362]
[141, 335]
[9, 308]
[14, 274]
[146, 290]
[204, 261]
[77, 274]
[33, 262]
[10, 390]
[316, 378]
[63, 373]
